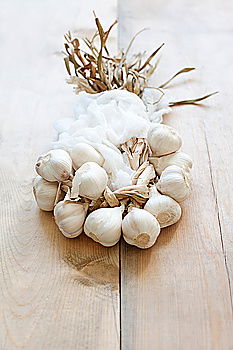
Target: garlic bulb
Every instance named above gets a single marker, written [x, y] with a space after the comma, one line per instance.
[46, 193]
[89, 181]
[140, 228]
[70, 216]
[175, 182]
[82, 153]
[180, 159]
[165, 209]
[163, 139]
[56, 165]
[104, 225]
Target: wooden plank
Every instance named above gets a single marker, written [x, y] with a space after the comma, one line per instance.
[55, 293]
[177, 294]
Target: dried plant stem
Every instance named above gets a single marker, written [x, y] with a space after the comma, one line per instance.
[150, 58]
[96, 70]
[184, 70]
[192, 101]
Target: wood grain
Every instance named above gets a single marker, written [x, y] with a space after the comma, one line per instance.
[60, 294]
[55, 293]
[178, 294]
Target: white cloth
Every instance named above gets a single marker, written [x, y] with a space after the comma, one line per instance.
[105, 121]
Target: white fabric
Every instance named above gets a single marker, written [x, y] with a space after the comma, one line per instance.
[105, 121]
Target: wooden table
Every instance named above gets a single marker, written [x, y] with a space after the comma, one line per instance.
[75, 294]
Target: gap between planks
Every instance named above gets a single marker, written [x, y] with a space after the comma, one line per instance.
[218, 216]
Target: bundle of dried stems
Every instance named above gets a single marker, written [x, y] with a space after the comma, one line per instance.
[96, 70]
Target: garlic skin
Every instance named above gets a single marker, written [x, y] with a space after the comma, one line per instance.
[90, 181]
[165, 209]
[140, 228]
[82, 153]
[56, 165]
[46, 193]
[181, 159]
[104, 225]
[175, 182]
[163, 139]
[70, 216]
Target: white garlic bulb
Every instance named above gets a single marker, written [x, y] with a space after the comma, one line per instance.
[140, 228]
[163, 139]
[165, 209]
[104, 225]
[56, 165]
[82, 153]
[70, 216]
[180, 159]
[46, 193]
[175, 182]
[89, 181]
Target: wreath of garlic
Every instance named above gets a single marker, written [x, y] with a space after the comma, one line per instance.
[139, 210]
[115, 168]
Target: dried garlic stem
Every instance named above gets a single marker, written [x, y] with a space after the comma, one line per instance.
[111, 198]
[137, 150]
[140, 193]
[144, 174]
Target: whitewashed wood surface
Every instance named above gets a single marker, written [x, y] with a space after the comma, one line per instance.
[74, 294]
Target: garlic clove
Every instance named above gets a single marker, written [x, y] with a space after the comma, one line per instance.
[140, 228]
[104, 226]
[46, 193]
[175, 182]
[70, 216]
[82, 153]
[89, 181]
[165, 209]
[163, 139]
[180, 159]
[56, 165]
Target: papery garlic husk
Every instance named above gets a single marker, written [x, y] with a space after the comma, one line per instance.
[89, 181]
[144, 174]
[175, 182]
[82, 153]
[70, 216]
[111, 198]
[163, 139]
[104, 225]
[165, 209]
[139, 193]
[140, 228]
[46, 193]
[181, 159]
[56, 165]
